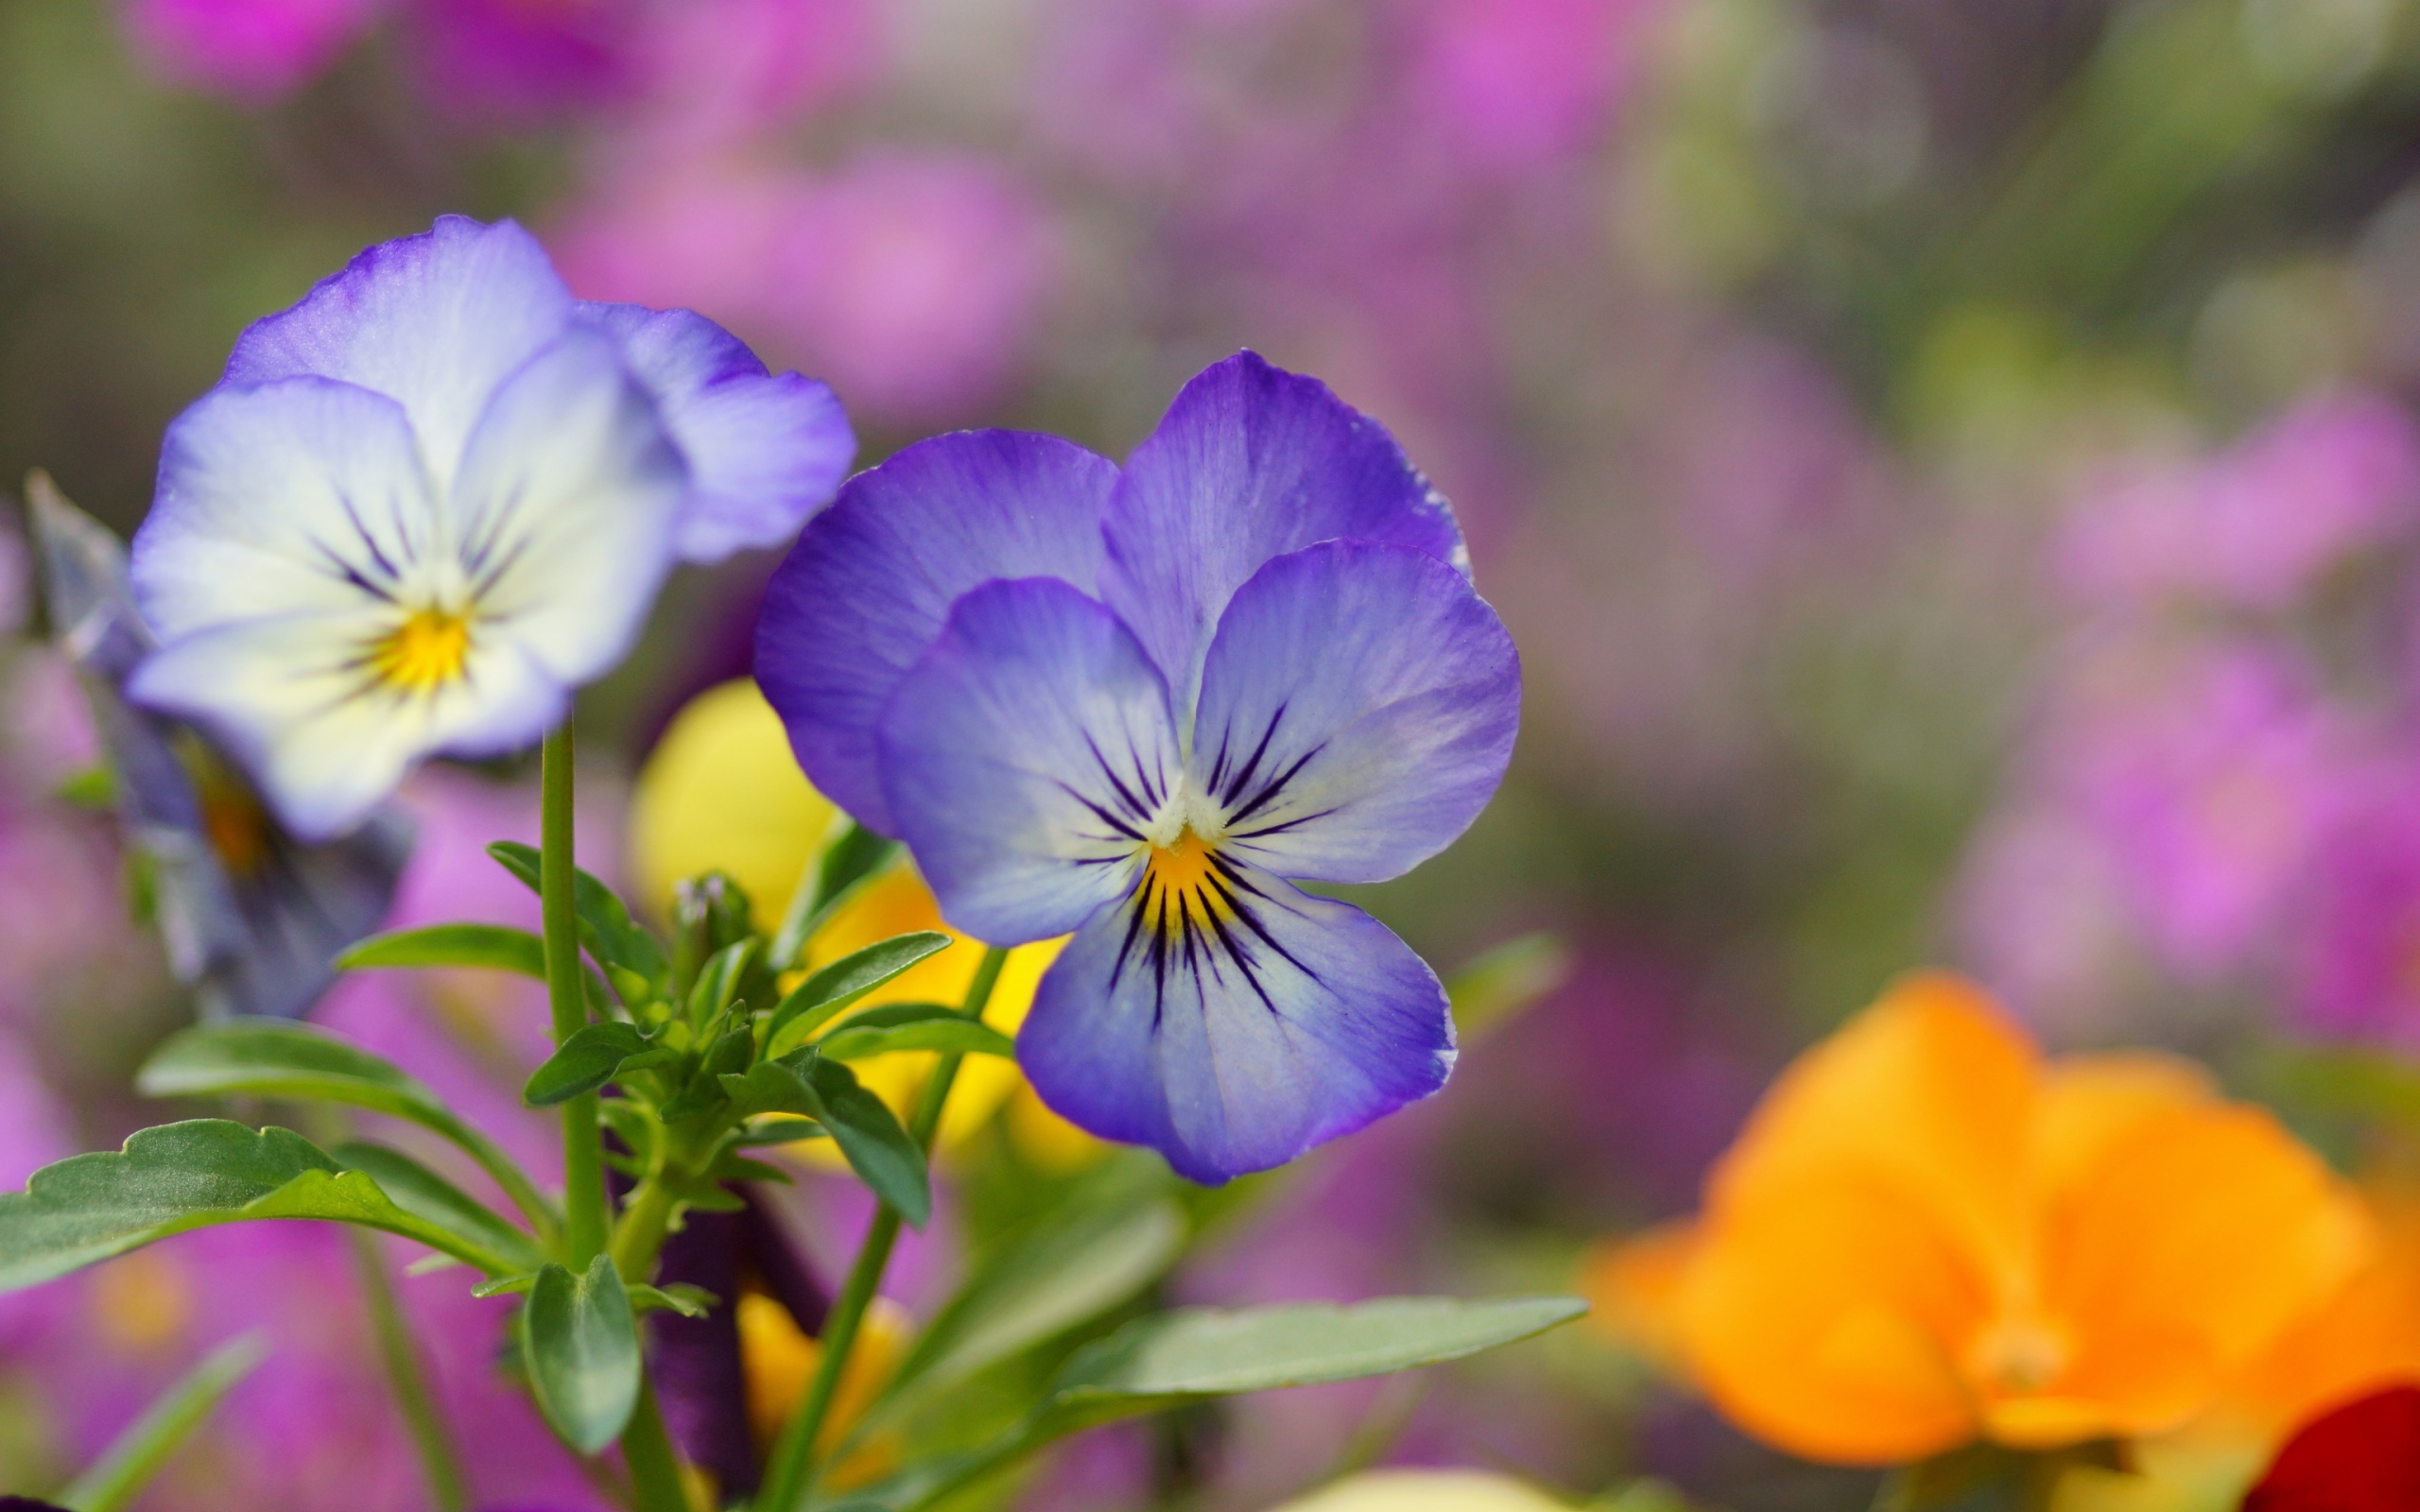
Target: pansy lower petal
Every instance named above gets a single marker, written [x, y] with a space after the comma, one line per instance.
[1252, 462]
[566, 509]
[871, 579]
[283, 697]
[1232, 1038]
[294, 497]
[1358, 709]
[765, 451]
[435, 320]
[1024, 759]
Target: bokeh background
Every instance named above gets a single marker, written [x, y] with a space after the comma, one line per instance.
[1948, 465]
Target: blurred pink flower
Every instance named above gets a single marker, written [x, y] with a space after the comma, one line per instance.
[2039, 917]
[515, 62]
[2357, 957]
[911, 283]
[1519, 80]
[715, 73]
[250, 50]
[2257, 524]
[2211, 778]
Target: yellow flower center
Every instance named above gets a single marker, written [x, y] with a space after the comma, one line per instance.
[1181, 885]
[421, 655]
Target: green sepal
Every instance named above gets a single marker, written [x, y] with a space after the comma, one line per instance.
[955, 1035]
[822, 995]
[581, 1343]
[423, 1193]
[584, 1063]
[195, 1175]
[606, 927]
[719, 983]
[727, 1056]
[492, 947]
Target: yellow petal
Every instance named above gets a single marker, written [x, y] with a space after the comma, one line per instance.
[1818, 1316]
[1930, 1090]
[721, 792]
[1426, 1492]
[777, 1361]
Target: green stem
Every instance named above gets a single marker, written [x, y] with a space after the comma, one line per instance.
[646, 1220]
[655, 1465]
[439, 1459]
[792, 1470]
[584, 1161]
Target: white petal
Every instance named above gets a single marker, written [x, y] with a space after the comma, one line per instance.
[564, 511]
[304, 495]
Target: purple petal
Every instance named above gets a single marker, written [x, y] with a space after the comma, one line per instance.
[1236, 1047]
[1358, 709]
[433, 321]
[1251, 462]
[871, 581]
[765, 453]
[1025, 757]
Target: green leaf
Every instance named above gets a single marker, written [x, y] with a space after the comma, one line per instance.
[138, 1454]
[850, 857]
[884, 1158]
[1170, 1357]
[582, 1346]
[719, 983]
[680, 1297]
[961, 1036]
[278, 1058]
[606, 927]
[492, 946]
[1502, 982]
[727, 1056]
[95, 788]
[424, 1193]
[815, 1001]
[779, 1130]
[871, 1138]
[1065, 1270]
[193, 1175]
[582, 1063]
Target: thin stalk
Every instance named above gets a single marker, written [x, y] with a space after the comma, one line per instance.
[646, 1221]
[583, 1155]
[793, 1466]
[439, 1461]
[655, 1465]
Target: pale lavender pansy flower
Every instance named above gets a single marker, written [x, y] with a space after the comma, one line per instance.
[436, 495]
[252, 919]
[1138, 704]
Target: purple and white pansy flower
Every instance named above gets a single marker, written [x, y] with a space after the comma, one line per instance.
[431, 499]
[1139, 705]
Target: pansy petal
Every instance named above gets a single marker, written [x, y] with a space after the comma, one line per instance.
[286, 697]
[1252, 462]
[1025, 757]
[871, 579]
[1358, 709]
[765, 451]
[301, 496]
[435, 320]
[564, 513]
[1236, 1043]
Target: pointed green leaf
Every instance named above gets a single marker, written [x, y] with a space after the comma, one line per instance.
[779, 1129]
[835, 987]
[492, 946]
[1065, 1270]
[582, 1346]
[424, 1193]
[719, 982]
[277, 1057]
[870, 1137]
[193, 1175]
[137, 1456]
[773, 1087]
[956, 1035]
[1168, 1357]
[606, 927]
[1502, 982]
[582, 1063]
[680, 1297]
[727, 1056]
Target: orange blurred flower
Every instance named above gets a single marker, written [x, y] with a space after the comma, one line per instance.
[1927, 1234]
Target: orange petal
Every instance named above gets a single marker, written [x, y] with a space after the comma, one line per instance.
[2365, 1336]
[1930, 1090]
[1816, 1318]
[1634, 1289]
[2091, 1102]
[2187, 1248]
